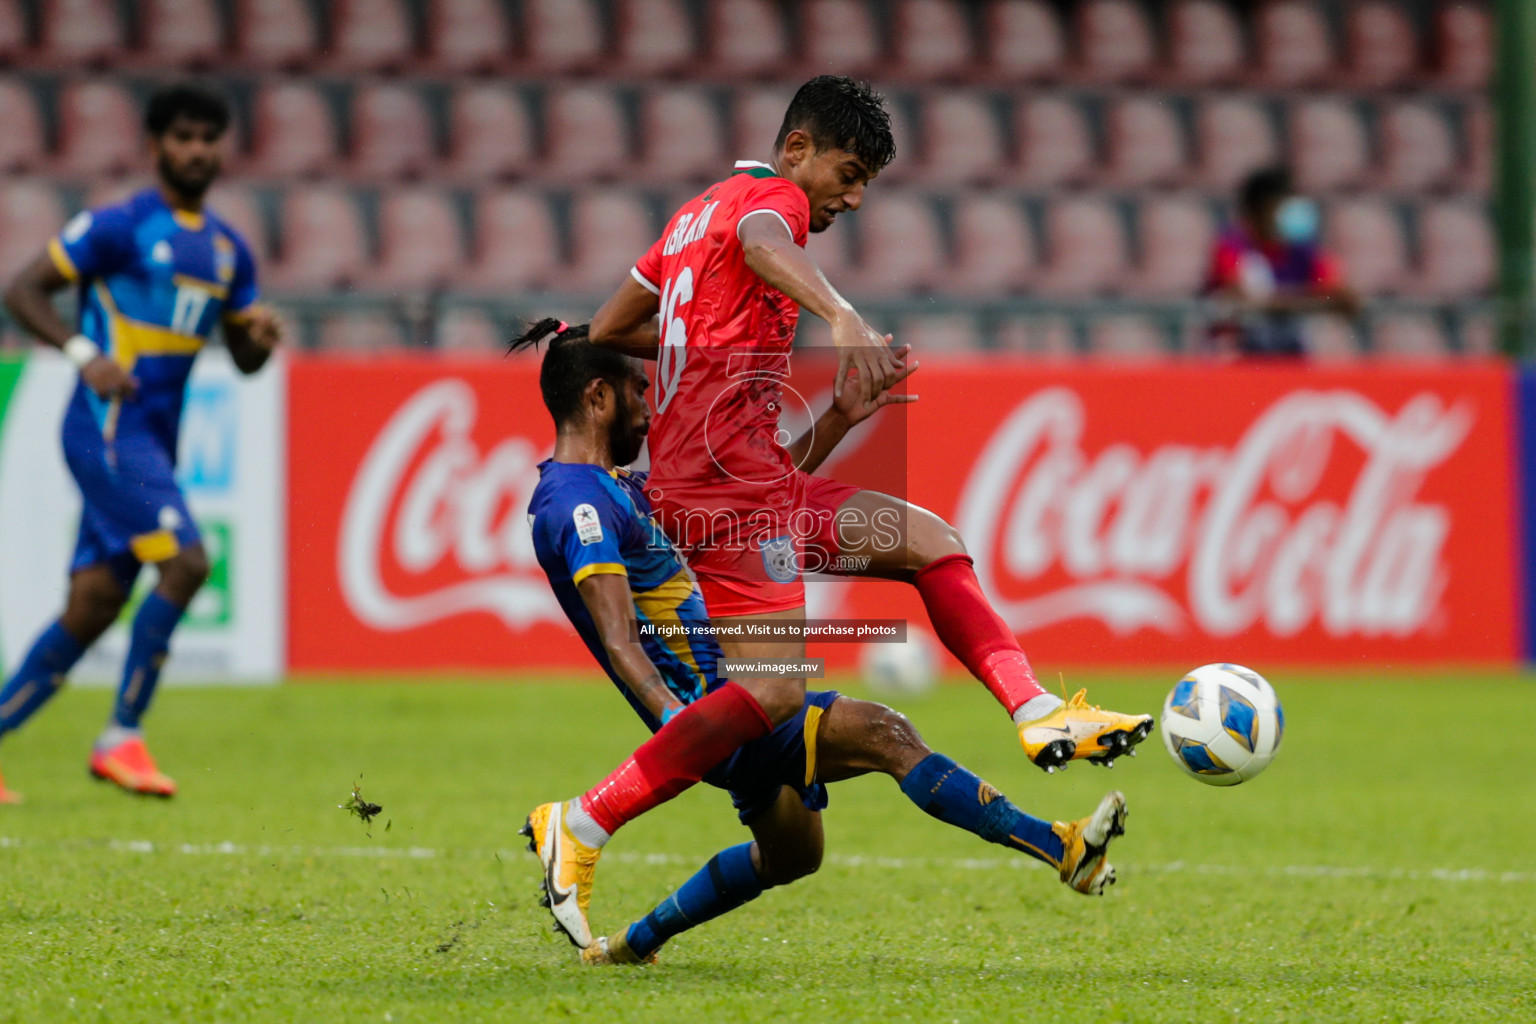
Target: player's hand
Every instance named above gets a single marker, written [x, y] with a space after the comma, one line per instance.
[869, 353]
[852, 406]
[110, 381]
[264, 327]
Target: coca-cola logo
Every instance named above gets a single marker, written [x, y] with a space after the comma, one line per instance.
[435, 528]
[1218, 539]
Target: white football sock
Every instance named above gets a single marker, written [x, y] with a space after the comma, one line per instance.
[1036, 707]
[114, 734]
[583, 826]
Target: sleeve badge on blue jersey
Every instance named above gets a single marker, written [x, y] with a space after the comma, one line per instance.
[588, 527]
[78, 225]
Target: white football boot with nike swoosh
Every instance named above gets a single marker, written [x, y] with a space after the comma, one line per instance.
[568, 869]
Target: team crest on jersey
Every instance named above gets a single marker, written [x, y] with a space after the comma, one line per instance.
[588, 527]
[779, 558]
[224, 259]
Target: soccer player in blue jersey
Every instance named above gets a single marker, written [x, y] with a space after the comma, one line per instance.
[632, 601]
[154, 276]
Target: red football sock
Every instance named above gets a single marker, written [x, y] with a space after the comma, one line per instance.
[699, 737]
[973, 632]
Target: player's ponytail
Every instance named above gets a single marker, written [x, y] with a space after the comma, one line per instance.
[547, 331]
[570, 362]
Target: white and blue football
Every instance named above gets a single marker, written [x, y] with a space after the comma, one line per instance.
[1222, 724]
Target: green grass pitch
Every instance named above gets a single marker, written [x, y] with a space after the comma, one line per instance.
[1381, 870]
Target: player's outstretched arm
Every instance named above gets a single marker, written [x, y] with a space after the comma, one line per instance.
[30, 300]
[251, 336]
[608, 601]
[627, 321]
[848, 410]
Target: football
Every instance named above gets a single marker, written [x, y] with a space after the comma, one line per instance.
[1222, 724]
[901, 669]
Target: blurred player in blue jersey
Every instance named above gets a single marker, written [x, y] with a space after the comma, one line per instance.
[632, 601]
[154, 276]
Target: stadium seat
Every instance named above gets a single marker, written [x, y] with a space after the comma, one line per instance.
[466, 36]
[1328, 144]
[22, 143]
[1234, 137]
[1205, 43]
[932, 40]
[1037, 337]
[293, 132]
[1055, 147]
[994, 248]
[1023, 41]
[1456, 251]
[111, 191]
[1114, 40]
[1409, 335]
[1476, 172]
[1292, 44]
[1176, 238]
[99, 130]
[275, 33]
[1331, 339]
[756, 118]
[490, 136]
[1143, 143]
[609, 231]
[180, 33]
[468, 332]
[562, 36]
[684, 139]
[30, 214]
[746, 37]
[655, 37]
[1463, 43]
[1088, 254]
[391, 133]
[838, 37]
[1477, 335]
[585, 134]
[76, 32]
[832, 251]
[323, 242]
[941, 333]
[361, 332]
[13, 31]
[1127, 337]
[1381, 49]
[237, 206]
[1367, 237]
[370, 35]
[1417, 150]
[962, 140]
[516, 245]
[421, 240]
[901, 247]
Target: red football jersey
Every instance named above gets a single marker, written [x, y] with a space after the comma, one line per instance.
[725, 336]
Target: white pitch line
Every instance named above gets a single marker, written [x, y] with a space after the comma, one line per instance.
[146, 847]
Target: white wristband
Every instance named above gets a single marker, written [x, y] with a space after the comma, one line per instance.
[80, 350]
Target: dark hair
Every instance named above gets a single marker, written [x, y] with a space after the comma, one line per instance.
[1267, 185]
[839, 113]
[571, 362]
[192, 100]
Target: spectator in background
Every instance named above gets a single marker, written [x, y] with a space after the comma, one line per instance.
[1268, 271]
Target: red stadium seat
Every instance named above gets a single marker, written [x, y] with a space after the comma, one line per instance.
[1417, 150]
[1464, 44]
[609, 232]
[747, 37]
[932, 40]
[1381, 48]
[180, 32]
[962, 140]
[467, 35]
[324, 245]
[1477, 158]
[1456, 251]
[1328, 144]
[361, 332]
[1205, 43]
[237, 206]
[586, 135]
[99, 130]
[13, 30]
[1088, 250]
[421, 240]
[30, 215]
[292, 132]
[1478, 335]
[683, 137]
[1367, 236]
[391, 133]
[832, 251]
[994, 248]
[901, 245]
[1292, 44]
[839, 37]
[490, 135]
[943, 333]
[1233, 138]
[22, 143]
[468, 332]
[655, 37]
[370, 35]
[275, 33]
[756, 120]
[1410, 335]
[563, 35]
[74, 32]
[1176, 240]
[1127, 337]
[1331, 339]
[1144, 144]
[111, 191]
[1023, 40]
[1039, 337]
[516, 245]
[1114, 40]
[1055, 147]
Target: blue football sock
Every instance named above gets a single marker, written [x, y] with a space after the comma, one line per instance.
[151, 641]
[957, 796]
[722, 885]
[39, 676]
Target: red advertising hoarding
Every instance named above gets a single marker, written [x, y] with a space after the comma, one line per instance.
[1166, 515]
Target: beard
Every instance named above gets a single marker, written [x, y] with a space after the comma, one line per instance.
[194, 185]
[624, 440]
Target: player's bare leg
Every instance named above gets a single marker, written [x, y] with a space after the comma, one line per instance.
[931, 555]
[780, 698]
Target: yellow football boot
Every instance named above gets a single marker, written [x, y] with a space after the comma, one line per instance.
[613, 950]
[1086, 841]
[568, 869]
[1079, 730]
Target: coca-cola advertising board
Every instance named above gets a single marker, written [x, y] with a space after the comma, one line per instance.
[1120, 515]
